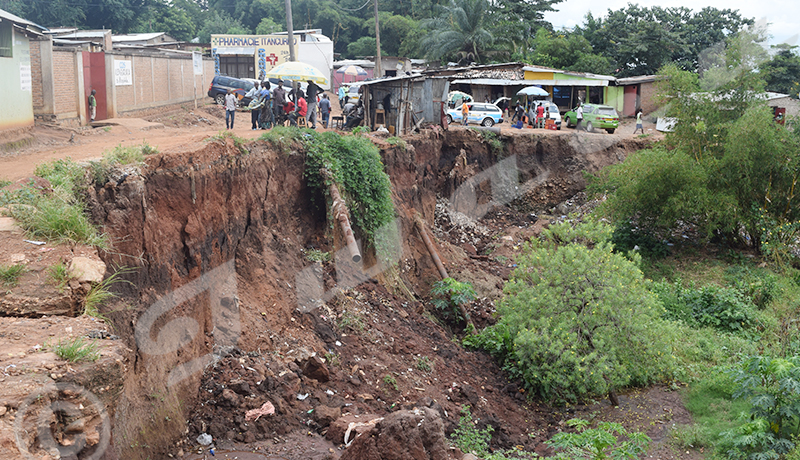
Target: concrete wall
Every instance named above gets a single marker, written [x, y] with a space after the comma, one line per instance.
[319, 55]
[792, 106]
[615, 97]
[57, 89]
[17, 101]
[157, 81]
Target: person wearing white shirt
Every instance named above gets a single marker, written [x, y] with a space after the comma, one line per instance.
[230, 109]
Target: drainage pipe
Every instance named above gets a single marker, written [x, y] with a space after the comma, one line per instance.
[431, 249]
[340, 213]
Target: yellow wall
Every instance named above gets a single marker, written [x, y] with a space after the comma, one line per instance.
[538, 75]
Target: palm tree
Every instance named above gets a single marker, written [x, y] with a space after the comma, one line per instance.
[460, 30]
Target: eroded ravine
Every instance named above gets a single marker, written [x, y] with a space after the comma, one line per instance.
[217, 238]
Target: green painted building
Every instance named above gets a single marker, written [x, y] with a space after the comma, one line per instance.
[15, 72]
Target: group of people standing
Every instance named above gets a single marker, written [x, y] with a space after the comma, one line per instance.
[269, 108]
[534, 114]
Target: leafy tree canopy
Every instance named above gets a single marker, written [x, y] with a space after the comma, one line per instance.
[782, 72]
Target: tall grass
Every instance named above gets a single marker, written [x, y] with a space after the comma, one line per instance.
[56, 215]
[76, 350]
[10, 274]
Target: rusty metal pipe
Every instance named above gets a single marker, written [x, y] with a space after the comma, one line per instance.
[431, 248]
[340, 213]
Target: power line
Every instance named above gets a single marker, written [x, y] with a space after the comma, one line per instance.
[349, 9]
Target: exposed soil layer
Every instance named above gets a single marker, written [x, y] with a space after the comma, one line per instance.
[228, 230]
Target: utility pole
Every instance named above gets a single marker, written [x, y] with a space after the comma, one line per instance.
[290, 31]
[378, 72]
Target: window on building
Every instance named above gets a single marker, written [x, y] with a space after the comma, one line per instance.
[237, 66]
[6, 39]
[562, 96]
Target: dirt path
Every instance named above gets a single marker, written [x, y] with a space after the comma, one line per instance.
[177, 130]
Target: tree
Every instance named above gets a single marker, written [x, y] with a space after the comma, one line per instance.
[395, 31]
[640, 40]
[173, 19]
[220, 23]
[570, 51]
[119, 15]
[460, 31]
[268, 26]
[727, 165]
[364, 46]
[582, 320]
[782, 72]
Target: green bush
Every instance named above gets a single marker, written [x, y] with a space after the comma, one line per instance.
[598, 443]
[725, 309]
[628, 237]
[582, 320]
[356, 166]
[470, 439]
[450, 296]
[717, 180]
[758, 285]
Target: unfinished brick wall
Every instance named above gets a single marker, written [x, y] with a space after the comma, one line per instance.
[36, 75]
[647, 97]
[66, 83]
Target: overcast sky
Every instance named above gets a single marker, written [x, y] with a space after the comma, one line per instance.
[783, 16]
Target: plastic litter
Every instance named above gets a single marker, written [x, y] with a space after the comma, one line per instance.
[302, 397]
[204, 439]
[38, 243]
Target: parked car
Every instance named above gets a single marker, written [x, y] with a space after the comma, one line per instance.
[595, 116]
[221, 84]
[555, 115]
[479, 113]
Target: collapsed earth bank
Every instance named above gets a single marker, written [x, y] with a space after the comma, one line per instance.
[216, 241]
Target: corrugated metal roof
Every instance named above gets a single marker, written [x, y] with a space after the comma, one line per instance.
[83, 34]
[136, 37]
[18, 20]
[554, 82]
[637, 79]
[491, 82]
[387, 80]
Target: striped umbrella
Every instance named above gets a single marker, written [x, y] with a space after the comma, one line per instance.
[298, 71]
[352, 70]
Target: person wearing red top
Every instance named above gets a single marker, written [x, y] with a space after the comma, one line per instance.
[540, 116]
[300, 110]
[289, 107]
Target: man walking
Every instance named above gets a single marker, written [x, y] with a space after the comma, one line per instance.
[639, 125]
[579, 116]
[325, 109]
[464, 113]
[230, 109]
[311, 95]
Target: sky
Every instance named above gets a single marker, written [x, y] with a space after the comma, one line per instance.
[783, 16]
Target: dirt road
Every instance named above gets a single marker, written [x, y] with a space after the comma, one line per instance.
[177, 130]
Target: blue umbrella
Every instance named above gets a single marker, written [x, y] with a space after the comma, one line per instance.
[532, 91]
